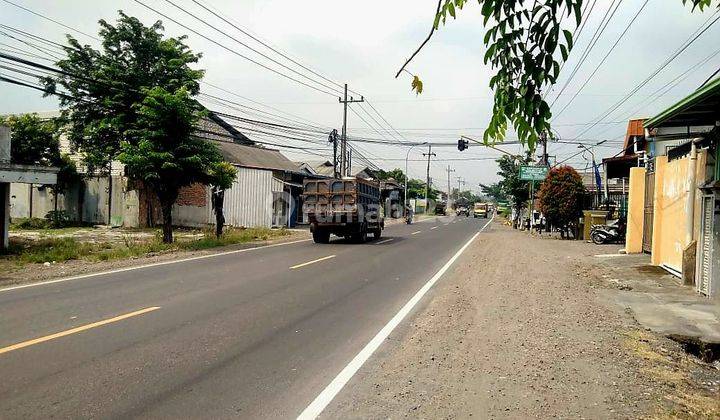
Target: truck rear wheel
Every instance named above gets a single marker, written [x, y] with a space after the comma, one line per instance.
[321, 236]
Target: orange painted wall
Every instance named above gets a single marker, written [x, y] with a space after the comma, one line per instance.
[671, 194]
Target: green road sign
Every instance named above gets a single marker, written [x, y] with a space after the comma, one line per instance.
[533, 173]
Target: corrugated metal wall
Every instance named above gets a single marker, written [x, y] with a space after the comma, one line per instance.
[249, 202]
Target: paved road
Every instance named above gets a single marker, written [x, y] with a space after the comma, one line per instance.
[253, 334]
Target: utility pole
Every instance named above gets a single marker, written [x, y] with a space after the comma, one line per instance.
[333, 138]
[544, 139]
[429, 155]
[449, 171]
[344, 164]
[460, 180]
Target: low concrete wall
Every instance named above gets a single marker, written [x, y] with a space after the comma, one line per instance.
[636, 211]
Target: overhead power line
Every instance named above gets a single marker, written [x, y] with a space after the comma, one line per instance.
[622, 35]
[51, 20]
[694, 37]
[225, 47]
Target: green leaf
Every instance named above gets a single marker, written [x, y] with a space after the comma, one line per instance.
[564, 52]
[568, 39]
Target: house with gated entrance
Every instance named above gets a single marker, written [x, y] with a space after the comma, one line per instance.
[674, 200]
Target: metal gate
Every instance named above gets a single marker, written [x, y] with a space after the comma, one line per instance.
[648, 211]
[705, 245]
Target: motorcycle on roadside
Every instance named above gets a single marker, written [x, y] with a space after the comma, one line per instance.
[608, 233]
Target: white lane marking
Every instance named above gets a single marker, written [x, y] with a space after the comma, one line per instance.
[384, 241]
[433, 228]
[415, 233]
[328, 394]
[140, 267]
[610, 255]
[312, 262]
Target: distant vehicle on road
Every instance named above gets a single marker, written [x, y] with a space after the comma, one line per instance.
[480, 210]
[348, 207]
[441, 209]
[462, 211]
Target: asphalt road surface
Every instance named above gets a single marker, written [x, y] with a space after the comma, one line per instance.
[256, 334]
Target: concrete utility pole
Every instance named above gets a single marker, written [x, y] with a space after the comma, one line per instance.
[460, 180]
[544, 139]
[333, 138]
[344, 158]
[429, 155]
[449, 171]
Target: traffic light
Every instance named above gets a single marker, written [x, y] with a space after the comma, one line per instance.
[462, 144]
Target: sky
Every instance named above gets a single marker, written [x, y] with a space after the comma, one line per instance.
[364, 43]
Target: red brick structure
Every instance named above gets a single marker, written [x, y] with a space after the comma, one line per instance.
[193, 195]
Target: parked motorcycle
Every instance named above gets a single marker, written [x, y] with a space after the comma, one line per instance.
[611, 232]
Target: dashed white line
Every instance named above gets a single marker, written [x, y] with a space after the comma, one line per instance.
[433, 228]
[312, 262]
[384, 241]
[158, 264]
[415, 233]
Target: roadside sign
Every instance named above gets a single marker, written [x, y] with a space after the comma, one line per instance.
[533, 173]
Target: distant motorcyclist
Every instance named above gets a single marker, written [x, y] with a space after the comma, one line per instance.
[409, 213]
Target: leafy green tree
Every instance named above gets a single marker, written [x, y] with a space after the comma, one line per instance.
[396, 174]
[164, 154]
[510, 182]
[104, 87]
[526, 44]
[34, 141]
[494, 191]
[222, 176]
[560, 197]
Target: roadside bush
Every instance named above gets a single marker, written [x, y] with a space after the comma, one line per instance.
[560, 198]
[30, 223]
[58, 219]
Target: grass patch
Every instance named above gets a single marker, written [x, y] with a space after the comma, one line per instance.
[66, 249]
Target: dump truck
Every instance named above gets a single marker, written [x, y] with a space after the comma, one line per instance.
[348, 207]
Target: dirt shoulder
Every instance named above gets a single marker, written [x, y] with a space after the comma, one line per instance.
[516, 330]
[13, 273]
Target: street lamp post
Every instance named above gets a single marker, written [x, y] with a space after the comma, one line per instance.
[407, 156]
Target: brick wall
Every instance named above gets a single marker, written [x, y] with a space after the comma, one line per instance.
[193, 195]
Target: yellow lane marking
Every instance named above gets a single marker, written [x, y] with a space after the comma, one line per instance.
[312, 262]
[384, 242]
[433, 228]
[76, 330]
[415, 233]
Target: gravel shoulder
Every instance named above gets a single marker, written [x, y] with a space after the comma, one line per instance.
[14, 274]
[516, 330]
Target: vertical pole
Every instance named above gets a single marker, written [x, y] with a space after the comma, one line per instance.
[530, 204]
[4, 214]
[343, 147]
[349, 163]
[427, 181]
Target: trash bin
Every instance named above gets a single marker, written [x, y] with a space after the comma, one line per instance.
[590, 218]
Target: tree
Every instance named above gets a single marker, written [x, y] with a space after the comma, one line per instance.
[510, 181]
[222, 176]
[104, 87]
[560, 197]
[526, 45]
[165, 155]
[34, 141]
[494, 191]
